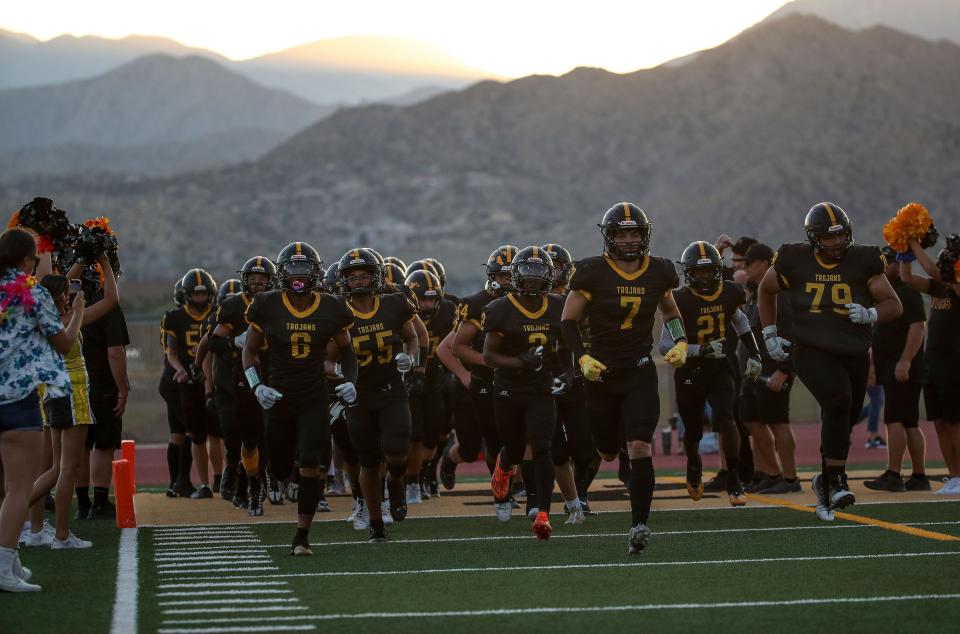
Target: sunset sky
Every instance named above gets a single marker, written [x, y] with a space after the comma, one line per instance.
[506, 38]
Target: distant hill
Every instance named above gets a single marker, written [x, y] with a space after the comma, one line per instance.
[743, 140]
[930, 19]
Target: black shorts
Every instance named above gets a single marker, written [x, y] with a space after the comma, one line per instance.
[902, 403]
[571, 438]
[297, 430]
[171, 396]
[475, 419]
[106, 433]
[379, 422]
[525, 418]
[760, 404]
[942, 399]
[428, 416]
[248, 416]
[199, 420]
[704, 384]
[58, 412]
[624, 406]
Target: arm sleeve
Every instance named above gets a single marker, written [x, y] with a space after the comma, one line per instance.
[348, 363]
[571, 336]
[667, 342]
[740, 323]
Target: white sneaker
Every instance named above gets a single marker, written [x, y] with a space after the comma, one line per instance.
[385, 513]
[532, 513]
[951, 487]
[575, 515]
[21, 571]
[10, 581]
[823, 511]
[504, 510]
[361, 517]
[71, 542]
[353, 512]
[44, 538]
[413, 494]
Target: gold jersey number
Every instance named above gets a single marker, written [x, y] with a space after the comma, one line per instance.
[300, 345]
[383, 353]
[633, 304]
[840, 294]
[710, 328]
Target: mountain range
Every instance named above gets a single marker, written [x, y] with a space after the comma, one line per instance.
[743, 139]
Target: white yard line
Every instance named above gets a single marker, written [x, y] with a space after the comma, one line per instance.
[231, 601]
[221, 584]
[206, 570]
[278, 608]
[125, 603]
[230, 592]
[252, 628]
[582, 609]
[594, 566]
[261, 559]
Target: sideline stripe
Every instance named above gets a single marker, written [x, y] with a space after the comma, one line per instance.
[496, 538]
[576, 610]
[594, 566]
[860, 519]
[125, 603]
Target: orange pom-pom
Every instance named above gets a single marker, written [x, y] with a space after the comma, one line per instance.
[916, 220]
[100, 221]
[895, 235]
[44, 244]
[14, 220]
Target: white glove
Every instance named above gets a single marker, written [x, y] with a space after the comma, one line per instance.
[861, 315]
[336, 410]
[240, 340]
[713, 350]
[267, 396]
[776, 346]
[338, 370]
[753, 369]
[346, 392]
[404, 362]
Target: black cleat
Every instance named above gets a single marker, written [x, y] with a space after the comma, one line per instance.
[840, 494]
[639, 539]
[918, 482]
[83, 511]
[217, 478]
[718, 483]
[171, 492]
[203, 493]
[184, 489]
[105, 511]
[228, 483]
[888, 481]
[378, 533]
[448, 471]
[274, 489]
[398, 499]
[253, 498]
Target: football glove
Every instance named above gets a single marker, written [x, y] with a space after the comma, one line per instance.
[677, 355]
[240, 340]
[532, 359]
[267, 396]
[336, 411]
[346, 392]
[754, 366]
[776, 346]
[591, 368]
[404, 362]
[713, 350]
[861, 315]
[561, 384]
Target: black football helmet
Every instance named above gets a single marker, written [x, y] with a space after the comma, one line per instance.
[702, 256]
[392, 274]
[392, 259]
[299, 268]
[421, 265]
[228, 289]
[621, 217]
[375, 254]
[258, 264]
[499, 262]
[562, 264]
[531, 272]
[360, 259]
[197, 280]
[438, 267]
[178, 298]
[330, 283]
[827, 219]
[425, 285]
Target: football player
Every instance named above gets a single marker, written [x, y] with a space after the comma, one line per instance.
[710, 308]
[941, 391]
[620, 292]
[386, 347]
[462, 352]
[179, 456]
[258, 275]
[185, 328]
[837, 290]
[521, 331]
[296, 322]
[427, 407]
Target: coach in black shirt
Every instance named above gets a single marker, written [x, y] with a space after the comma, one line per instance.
[106, 359]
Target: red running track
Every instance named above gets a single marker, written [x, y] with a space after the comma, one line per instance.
[152, 462]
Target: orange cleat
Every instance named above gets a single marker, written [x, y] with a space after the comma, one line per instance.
[695, 491]
[541, 526]
[500, 482]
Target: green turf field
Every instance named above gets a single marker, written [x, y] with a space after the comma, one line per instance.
[726, 569]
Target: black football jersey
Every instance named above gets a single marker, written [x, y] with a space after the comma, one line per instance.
[376, 337]
[167, 375]
[522, 331]
[187, 327]
[622, 306]
[943, 332]
[471, 310]
[707, 318]
[818, 292]
[232, 314]
[297, 340]
[439, 326]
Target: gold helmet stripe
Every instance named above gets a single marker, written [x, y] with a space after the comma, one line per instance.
[626, 211]
[298, 248]
[703, 251]
[509, 256]
[536, 252]
[830, 212]
[429, 281]
[199, 278]
[259, 261]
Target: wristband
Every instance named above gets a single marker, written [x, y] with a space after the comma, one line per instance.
[253, 379]
[675, 328]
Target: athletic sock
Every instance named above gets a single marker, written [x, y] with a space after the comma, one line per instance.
[529, 482]
[186, 461]
[309, 494]
[641, 483]
[100, 495]
[302, 537]
[173, 462]
[545, 475]
[83, 496]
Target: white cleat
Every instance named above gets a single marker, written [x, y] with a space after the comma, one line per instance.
[575, 516]
[532, 513]
[413, 494]
[504, 510]
[823, 511]
[71, 542]
[385, 513]
[639, 539]
[951, 487]
[361, 518]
